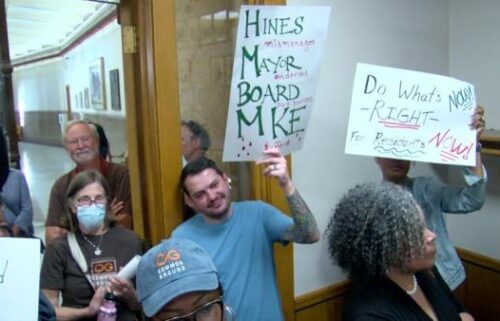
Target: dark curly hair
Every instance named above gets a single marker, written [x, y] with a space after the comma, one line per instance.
[375, 226]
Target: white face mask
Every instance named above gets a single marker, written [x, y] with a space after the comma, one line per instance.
[91, 217]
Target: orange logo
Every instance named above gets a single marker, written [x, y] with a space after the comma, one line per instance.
[103, 267]
[163, 258]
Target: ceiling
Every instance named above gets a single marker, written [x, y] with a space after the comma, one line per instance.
[44, 27]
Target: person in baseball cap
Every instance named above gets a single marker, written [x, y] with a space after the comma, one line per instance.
[177, 280]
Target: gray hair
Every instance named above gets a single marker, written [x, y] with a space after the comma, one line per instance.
[74, 122]
[375, 226]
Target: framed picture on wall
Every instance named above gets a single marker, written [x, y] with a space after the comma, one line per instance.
[114, 88]
[97, 89]
[86, 98]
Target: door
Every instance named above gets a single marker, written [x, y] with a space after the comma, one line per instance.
[182, 70]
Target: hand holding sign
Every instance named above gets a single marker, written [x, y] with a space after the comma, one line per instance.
[478, 121]
[411, 115]
[275, 165]
[276, 67]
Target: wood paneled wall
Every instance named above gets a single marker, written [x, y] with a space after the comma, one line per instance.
[43, 127]
[480, 293]
[322, 305]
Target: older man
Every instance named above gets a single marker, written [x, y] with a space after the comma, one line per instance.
[81, 141]
[240, 236]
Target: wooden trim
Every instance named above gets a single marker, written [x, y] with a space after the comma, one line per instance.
[478, 259]
[475, 288]
[490, 139]
[168, 113]
[153, 118]
[129, 14]
[321, 295]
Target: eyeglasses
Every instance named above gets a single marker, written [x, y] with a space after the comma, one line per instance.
[207, 312]
[86, 201]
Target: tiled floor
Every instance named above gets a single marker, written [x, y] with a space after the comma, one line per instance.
[42, 165]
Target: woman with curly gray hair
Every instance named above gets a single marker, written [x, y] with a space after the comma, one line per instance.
[378, 235]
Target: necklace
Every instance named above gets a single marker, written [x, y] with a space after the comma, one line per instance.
[96, 247]
[415, 286]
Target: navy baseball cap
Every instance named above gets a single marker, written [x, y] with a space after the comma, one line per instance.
[172, 268]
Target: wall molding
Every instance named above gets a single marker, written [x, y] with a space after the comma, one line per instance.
[326, 303]
[321, 295]
[479, 259]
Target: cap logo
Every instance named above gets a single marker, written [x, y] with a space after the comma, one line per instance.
[163, 258]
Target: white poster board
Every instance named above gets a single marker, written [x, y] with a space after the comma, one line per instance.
[19, 278]
[403, 114]
[276, 67]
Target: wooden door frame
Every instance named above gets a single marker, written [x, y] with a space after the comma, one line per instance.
[153, 120]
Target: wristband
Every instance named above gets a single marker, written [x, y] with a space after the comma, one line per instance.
[479, 147]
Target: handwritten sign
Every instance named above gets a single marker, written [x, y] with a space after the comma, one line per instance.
[19, 278]
[411, 115]
[276, 67]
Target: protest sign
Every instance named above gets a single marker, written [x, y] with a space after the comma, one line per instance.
[19, 278]
[403, 114]
[276, 66]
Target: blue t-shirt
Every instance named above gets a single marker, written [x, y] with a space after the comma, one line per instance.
[242, 250]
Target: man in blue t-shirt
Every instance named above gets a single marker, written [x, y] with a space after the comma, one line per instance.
[239, 236]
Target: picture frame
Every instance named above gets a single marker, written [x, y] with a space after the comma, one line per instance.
[97, 90]
[114, 89]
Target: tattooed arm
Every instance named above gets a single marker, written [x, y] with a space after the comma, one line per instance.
[304, 228]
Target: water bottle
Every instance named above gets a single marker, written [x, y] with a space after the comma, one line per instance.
[107, 311]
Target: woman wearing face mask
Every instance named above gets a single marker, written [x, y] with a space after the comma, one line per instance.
[82, 265]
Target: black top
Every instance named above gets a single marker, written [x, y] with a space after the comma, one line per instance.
[382, 299]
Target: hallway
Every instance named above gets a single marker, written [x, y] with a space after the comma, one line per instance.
[42, 165]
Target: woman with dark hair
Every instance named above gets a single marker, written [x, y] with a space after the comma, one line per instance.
[83, 264]
[378, 234]
[15, 196]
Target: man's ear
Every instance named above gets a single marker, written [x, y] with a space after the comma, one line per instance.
[188, 200]
[227, 179]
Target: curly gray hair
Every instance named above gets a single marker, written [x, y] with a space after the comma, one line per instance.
[375, 226]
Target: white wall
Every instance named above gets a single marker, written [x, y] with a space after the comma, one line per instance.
[399, 33]
[474, 56]
[41, 86]
[106, 44]
[475, 50]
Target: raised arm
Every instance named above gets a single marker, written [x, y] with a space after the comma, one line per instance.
[304, 228]
[478, 122]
